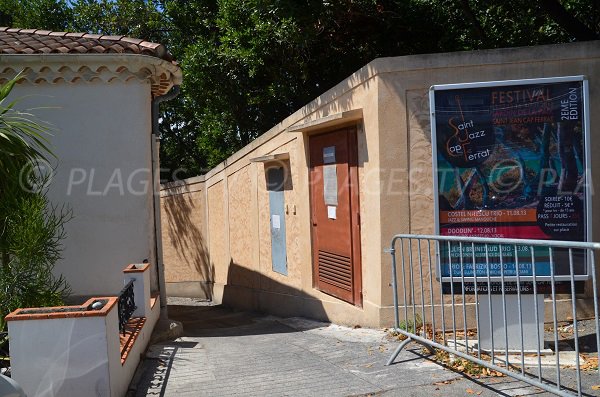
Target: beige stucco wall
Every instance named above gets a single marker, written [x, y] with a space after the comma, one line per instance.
[237, 223]
[405, 84]
[395, 178]
[185, 249]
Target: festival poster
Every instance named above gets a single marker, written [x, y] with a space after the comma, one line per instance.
[511, 164]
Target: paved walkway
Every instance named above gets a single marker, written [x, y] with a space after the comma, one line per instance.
[229, 353]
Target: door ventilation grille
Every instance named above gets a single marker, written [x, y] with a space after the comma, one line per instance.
[335, 269]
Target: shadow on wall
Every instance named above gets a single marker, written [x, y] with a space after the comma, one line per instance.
[250, 290]
[185, 238]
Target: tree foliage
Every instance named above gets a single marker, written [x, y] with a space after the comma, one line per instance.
[133, 18]
[30, 244]
[250, 63]
[22, 139]
[31, 228]
[35, 14]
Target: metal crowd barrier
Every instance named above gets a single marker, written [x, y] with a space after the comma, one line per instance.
[485, 300]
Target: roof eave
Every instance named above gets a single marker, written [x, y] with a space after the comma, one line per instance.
[164, 72]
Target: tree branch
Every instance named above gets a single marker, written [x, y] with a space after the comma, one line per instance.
[567, 21]
[466, 7]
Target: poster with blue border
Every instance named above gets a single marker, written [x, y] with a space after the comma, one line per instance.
[510, 161]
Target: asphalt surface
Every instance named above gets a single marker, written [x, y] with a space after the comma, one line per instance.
[225, 352]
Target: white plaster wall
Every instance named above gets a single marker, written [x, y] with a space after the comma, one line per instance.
[119, 379]
[77, 356]
[102, 140]
[121, 375]
[68, 353]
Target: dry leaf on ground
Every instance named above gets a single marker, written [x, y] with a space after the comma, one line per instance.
[444, 382]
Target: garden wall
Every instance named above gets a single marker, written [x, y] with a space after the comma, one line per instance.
[216, 235]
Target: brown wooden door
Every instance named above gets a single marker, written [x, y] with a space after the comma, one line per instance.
[335, 214]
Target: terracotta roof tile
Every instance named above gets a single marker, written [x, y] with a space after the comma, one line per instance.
[132, 40]
[113, 38]
[31, 41]
[98, 49]
[130, 48]
[92, 36]
[78, 49]
[150, 45]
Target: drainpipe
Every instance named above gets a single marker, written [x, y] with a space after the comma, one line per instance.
[155, 174]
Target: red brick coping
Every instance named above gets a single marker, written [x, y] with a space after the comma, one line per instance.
[18, 316]
[139, 268]
[128, 338]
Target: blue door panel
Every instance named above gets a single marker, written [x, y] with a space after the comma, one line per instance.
[275, 182]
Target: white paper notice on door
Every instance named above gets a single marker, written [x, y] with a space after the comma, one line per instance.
[276, 221]
[330, 188]
[329, 155]
[331, 212]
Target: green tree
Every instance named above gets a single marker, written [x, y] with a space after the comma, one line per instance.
[31, 228]
[490, 24]
[30, 243]
[250, 63]
[22, 139]
[134, 18]
[35, 14]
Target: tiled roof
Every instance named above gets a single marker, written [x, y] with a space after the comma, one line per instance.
[32, 41]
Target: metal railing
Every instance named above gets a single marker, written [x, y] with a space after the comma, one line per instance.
[484, 300]
[126, 305]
